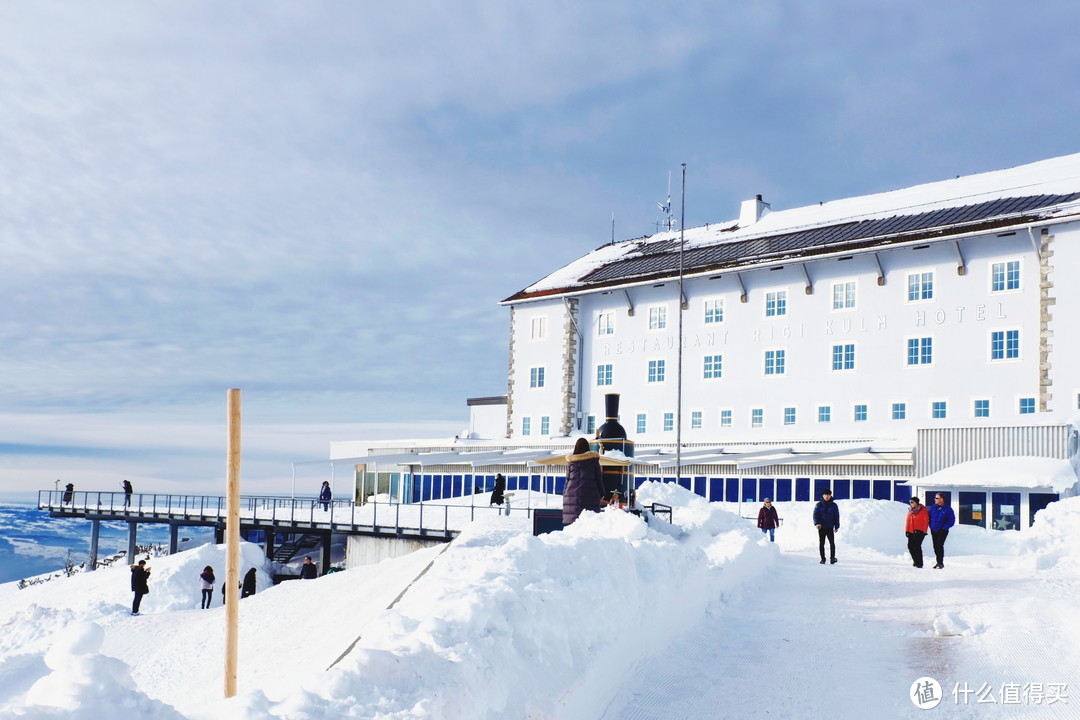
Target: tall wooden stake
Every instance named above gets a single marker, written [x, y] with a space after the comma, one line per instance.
[232, 545]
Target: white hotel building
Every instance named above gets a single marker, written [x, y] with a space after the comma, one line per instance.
[860, 344]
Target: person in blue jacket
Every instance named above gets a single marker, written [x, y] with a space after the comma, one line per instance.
[942, 518]
[827, 522]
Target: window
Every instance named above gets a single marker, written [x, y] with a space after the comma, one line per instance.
[843, 357]
[641, 423]
[899, 411]
[939, 409]
[590, 425]
[824, 413]
[603, 374]
[725, 418]
[789, 416]
[757, 417]
[714, 366]
[776, 303]
[1005, 276]
[545, 425]
[695, 420]
[657, 318]
[774, 362]
[920, 351]
[920, 286]
[605, 324]
[669, 421]
[1027, 406]
[982, 408]
[714, 311]
[656, 371]
[860, 413]
[526, 426]
[538, 330]
[843, 295]
[536, 377]
[1004, 344]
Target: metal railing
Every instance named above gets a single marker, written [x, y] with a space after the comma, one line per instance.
[303, 513]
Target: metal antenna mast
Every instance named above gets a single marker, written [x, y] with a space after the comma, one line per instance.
[682, 306]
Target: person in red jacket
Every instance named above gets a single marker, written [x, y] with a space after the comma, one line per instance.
[916, 526]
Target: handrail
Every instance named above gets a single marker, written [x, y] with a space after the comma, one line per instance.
[299, 512]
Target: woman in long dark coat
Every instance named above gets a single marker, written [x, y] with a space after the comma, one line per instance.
[584, 482]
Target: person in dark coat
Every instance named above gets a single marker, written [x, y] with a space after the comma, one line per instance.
[127, 492]
[497, 492]
[827, 522]
[69, 491]
[139, 576]
[248, 586]
[309, 570]
[207, 578]
[768, 520]
[325, 494]
[916, 524]
[942, 518]
[584, 482]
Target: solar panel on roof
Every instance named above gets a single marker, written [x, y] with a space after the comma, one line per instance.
[663, 256]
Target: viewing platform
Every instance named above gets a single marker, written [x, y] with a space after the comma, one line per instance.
[437, 521]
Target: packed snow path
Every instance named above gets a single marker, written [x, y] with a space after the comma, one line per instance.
[812, 641]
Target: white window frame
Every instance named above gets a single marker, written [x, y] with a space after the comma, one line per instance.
[717, 371]
[757, 417]
[727, 417]
[1005, 358]
[696, 419]
[526, 426]
[921, 353]
[538, 327]
[642, 423]
[537, 377]
[824, 413]
[945, 403]
[848, 291]
[920, 286]
[843, 357]
[975, 407]
[855, 412]
[545, 425]
[605, 373]
[1005, 270]
[794, 412]
[1020, 404]
[605, 323]
[778, 299]
[669, 421]
[900, 405]
[778, 364]
[657, 318]
[714, 314]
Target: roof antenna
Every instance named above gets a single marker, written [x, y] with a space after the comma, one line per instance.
[666, 207]
[612, 227]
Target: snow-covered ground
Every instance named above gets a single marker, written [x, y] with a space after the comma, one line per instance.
[611, 618]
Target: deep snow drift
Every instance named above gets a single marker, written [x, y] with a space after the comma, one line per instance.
[584, 623]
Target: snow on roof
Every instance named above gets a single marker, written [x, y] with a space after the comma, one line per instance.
[1055, 181]
[1014, 472]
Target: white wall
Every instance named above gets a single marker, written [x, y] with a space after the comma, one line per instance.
[959, 319]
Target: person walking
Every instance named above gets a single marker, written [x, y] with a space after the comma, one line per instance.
[69, 492]
[207, 578]
[247, 588]
[916, 525]
[827, 522]
[942, 518]
[140, 573]
[584, 482]
[498, 491]
[768, 520]
[127, 493]
[309, 570]
[325, 494]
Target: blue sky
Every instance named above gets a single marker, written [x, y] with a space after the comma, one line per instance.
[322, 203]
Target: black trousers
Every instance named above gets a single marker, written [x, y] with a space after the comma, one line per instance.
[207, 598]
[137, 602]
[824, 533]
[914, 546]
[938, 537]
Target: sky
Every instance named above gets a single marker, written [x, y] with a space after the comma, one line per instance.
[610, 618]
[323, 203]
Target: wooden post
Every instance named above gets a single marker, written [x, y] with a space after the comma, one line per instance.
[232, 545]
